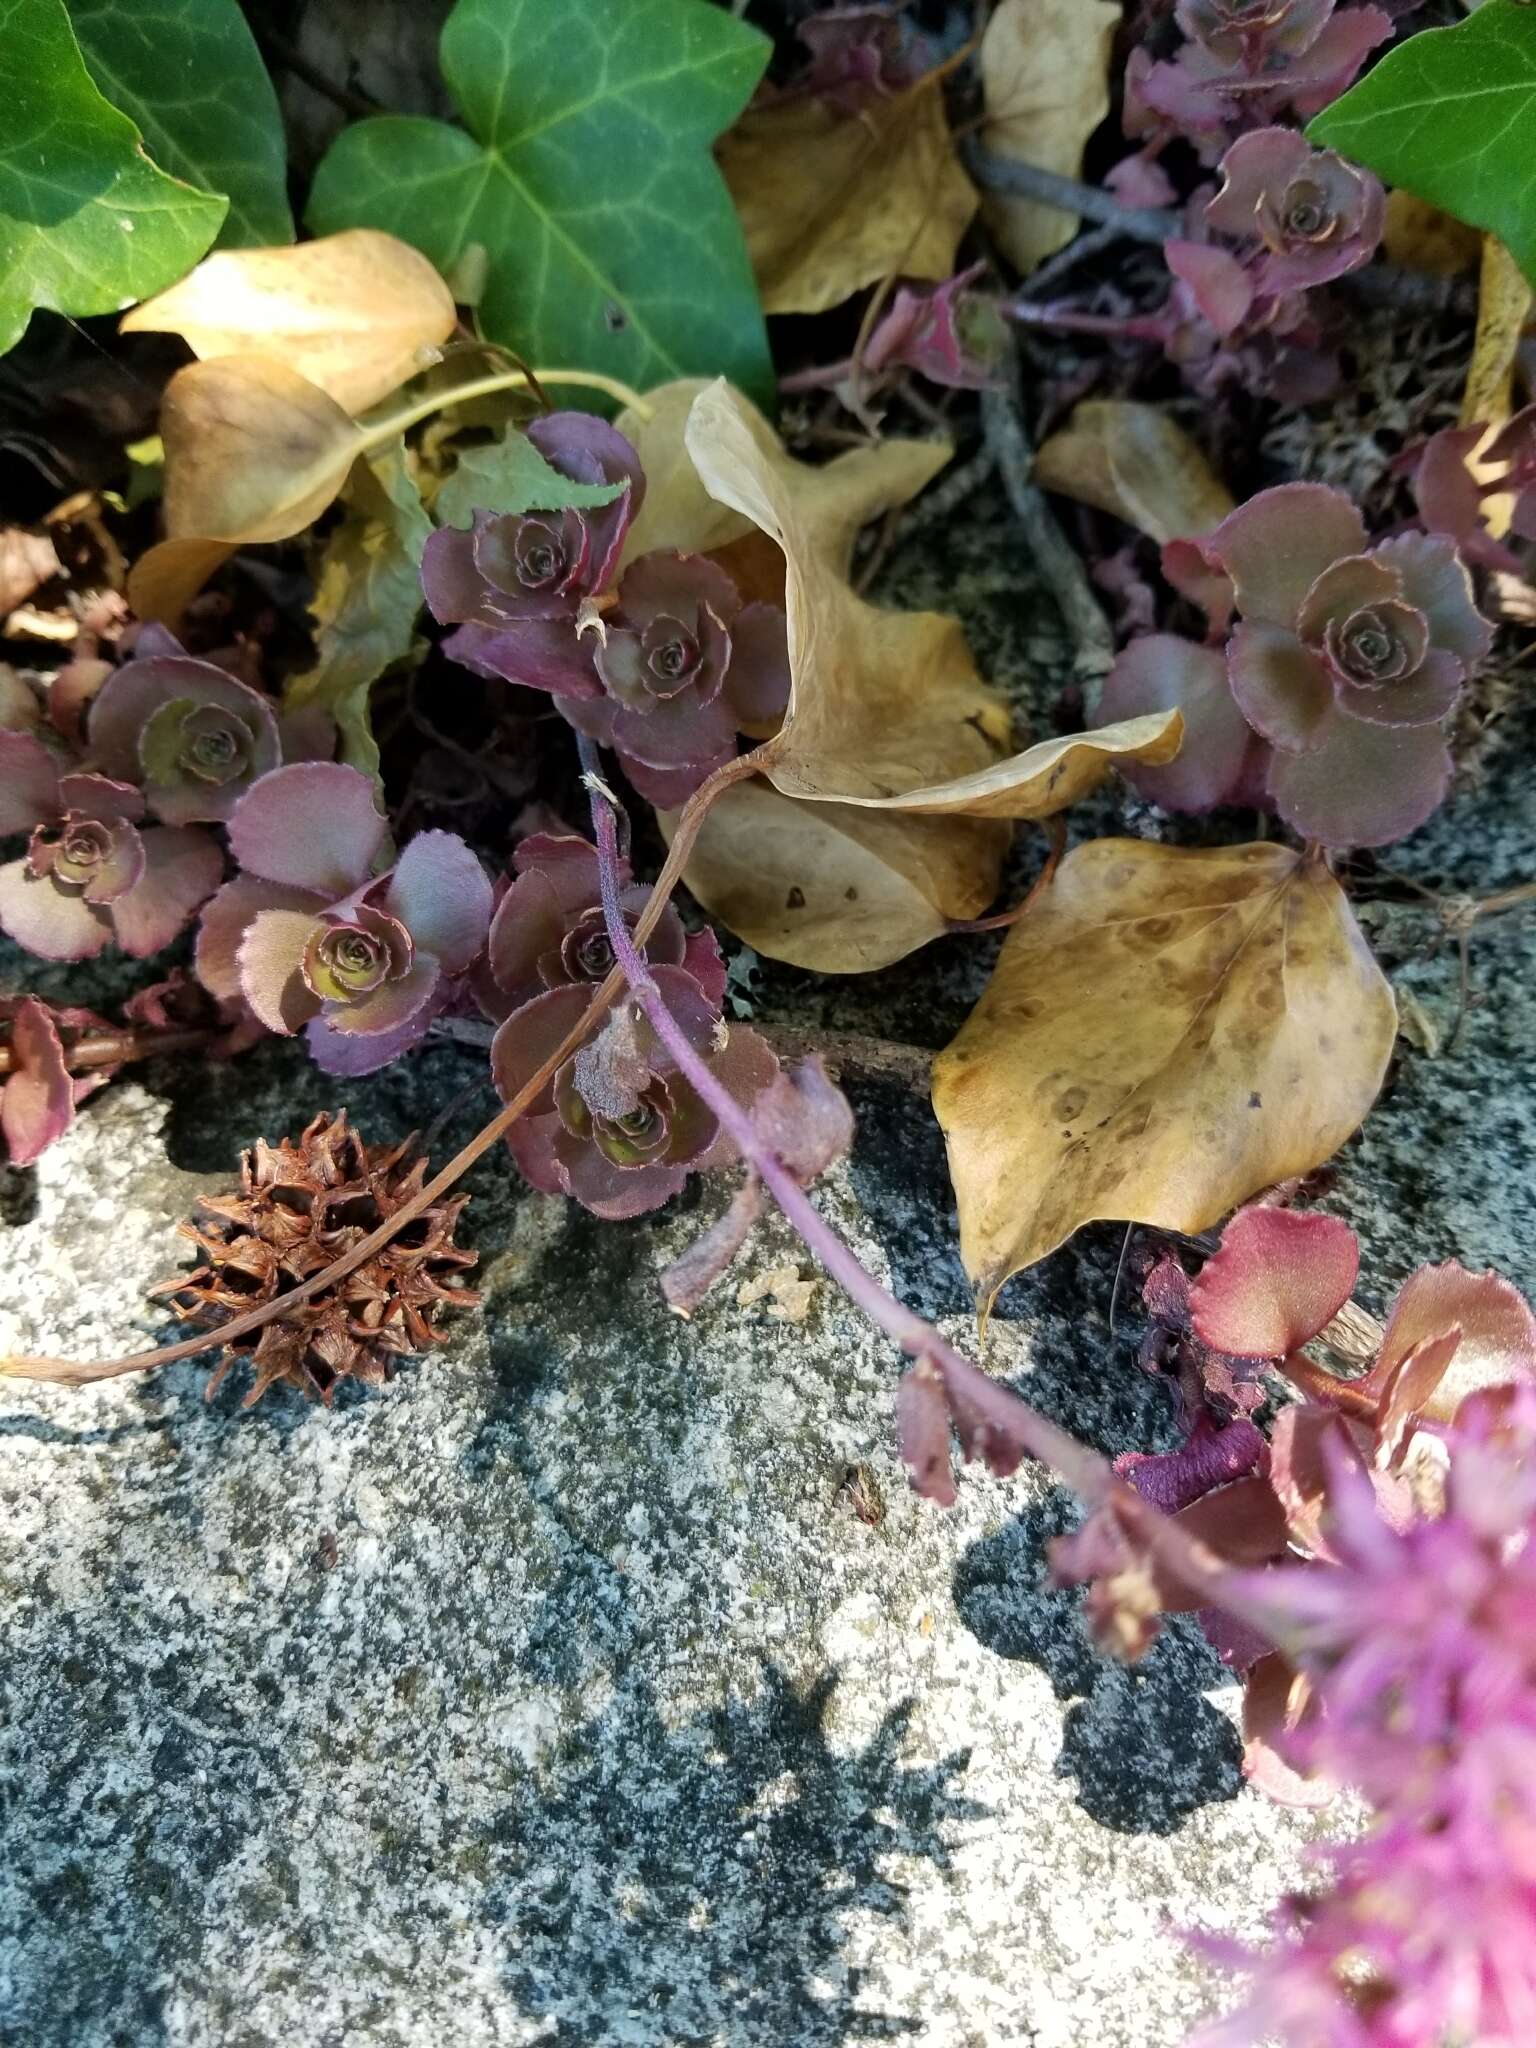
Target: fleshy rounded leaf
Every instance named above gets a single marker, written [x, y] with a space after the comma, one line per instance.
[1278, 1279]
[313, 825]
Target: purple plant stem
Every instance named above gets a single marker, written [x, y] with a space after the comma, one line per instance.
[1089, 1475]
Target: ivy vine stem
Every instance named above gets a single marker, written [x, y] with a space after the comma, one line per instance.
[376, 433]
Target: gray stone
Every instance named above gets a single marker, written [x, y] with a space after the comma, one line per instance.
[614, 1720]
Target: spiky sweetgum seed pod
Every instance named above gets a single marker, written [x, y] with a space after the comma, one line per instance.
[298, 1208]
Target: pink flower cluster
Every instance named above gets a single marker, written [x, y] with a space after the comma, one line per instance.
[1372, 1572]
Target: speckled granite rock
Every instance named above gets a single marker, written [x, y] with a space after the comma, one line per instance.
[613, 1720]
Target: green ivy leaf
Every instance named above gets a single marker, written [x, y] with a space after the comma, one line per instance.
[586, 176]
[189, 73]
[1450, 115]
[510, 475]
[87, 223]
[367, 597]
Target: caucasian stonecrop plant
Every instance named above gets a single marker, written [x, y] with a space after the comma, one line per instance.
[1290, 218]
[1451, 500]
[1329, 700]
[617, 1127]
[1244, 64]
[94, 873]
[663, 663]
[313, 936]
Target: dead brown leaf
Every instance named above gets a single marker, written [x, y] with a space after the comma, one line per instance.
[837, 889]
[1167, 1032]
[886, 708]
[837, 499]
[1421, 237]
[831, 202]
[1503, 307]
[26, 560]
[1044, 75]
[356, 313]
[892, 784]
[166, 578]
[253, 451]
[1132, 460]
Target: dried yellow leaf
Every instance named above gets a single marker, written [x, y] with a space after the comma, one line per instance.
[1168, 1032]
[356, 313]
[1420, 237]
[833, 888]
[1045, 80]
[1132, 460]
[886, 708]
[1503, 307]
[166, 578]
[831, 202]
[253, 451]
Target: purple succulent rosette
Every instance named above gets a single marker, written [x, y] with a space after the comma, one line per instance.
[1247, 63]
[38, 1094]
[1344, 661]
[191, 735]
[514, 584]
[93, 873]
[948, 333]
[618, 1127]
[548, 930]
[311, 938]
[683, 666]
[1253, 32]
[1315, 216]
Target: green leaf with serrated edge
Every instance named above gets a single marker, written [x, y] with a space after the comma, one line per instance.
[189, 73]
[1450, 115]
[367, 597]
[87, 223]
[510, 475]
[586, 176]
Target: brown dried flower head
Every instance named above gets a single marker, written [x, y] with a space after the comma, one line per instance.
[300, 1207]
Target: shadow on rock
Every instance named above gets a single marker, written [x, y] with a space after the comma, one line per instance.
[1143, 1744]
[690, 1884]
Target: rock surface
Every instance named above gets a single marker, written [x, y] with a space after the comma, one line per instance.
[599, 1681]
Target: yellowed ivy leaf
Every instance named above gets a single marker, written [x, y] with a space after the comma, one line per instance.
[253, 451]
[832, 202]
[836, 499]
[1166, 1033]
[886, 708]
[356, 313]
[367, 597]
[834, 888]
[1045, 80]
[892, 781]
[1136, 462]
[1420, 237]
[1503, 307]
[166, 578]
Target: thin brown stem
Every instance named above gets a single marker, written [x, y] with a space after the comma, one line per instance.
[119, 1048]
[1057, 830]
